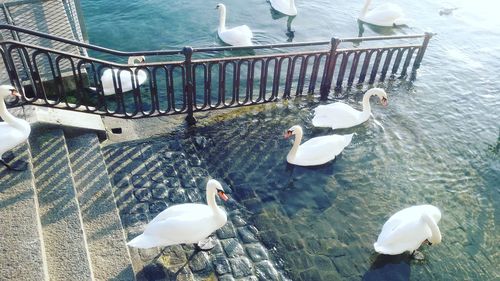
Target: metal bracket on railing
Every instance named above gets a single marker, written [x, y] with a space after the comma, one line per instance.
[329, 68]
[188, 91]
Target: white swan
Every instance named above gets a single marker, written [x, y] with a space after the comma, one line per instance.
[13, 131]
[384, 15]
[407, 229]
[340, 115]
[236, 36]
[315, 151]
[127, 77]
[184, 223]
[286, 7]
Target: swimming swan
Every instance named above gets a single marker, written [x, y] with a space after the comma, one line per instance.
[315, 151]
[184, 223]
[13, 131]
[286, 7]
[383, 15]
[407, 229]
[236, 36]
[340, 115]
[127, 77]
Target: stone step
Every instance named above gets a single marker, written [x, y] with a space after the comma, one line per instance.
[109, 255]
[63, 235]
[21, 246]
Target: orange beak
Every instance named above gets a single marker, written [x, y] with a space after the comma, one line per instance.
[14, 92]
[223, 195]
[287, 134]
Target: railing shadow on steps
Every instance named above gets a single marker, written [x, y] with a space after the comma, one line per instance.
[198, 79]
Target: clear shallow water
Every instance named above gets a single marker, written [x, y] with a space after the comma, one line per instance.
[439, 144]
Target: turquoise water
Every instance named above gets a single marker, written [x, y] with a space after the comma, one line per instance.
[439, 143]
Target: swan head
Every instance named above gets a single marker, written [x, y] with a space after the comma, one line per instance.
[380, 93]
[294, 130]
[8, 90]
[213, 186]
[220, 7]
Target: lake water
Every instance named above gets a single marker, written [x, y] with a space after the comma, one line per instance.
[439, 143]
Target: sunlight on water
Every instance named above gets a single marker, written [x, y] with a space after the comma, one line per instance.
[438, 144]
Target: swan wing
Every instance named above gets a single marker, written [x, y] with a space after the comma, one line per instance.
[406, 236]
[384, 15]
[237, 36]
[10, 137]
[337, 115]
[176, 230]
[405, 230]
[187, 209]
[320, 150]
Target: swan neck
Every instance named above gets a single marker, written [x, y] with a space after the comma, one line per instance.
[296, 144]
[436, 233]
[222, 18]
[212, 203]
[366, 103]
[365, 8]
[291, 4]
[9, 118]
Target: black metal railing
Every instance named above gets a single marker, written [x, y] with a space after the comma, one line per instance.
[198, 79]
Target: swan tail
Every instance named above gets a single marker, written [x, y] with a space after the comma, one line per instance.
[143, 242]
[348, 139]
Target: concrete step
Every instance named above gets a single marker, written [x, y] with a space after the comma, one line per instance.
[63, 235]
[21, 246]
[109, 255]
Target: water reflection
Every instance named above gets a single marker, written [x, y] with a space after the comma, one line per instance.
[386, 267]
[290, 33]
[382, 30]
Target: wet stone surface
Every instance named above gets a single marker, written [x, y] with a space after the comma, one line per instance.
[148, 177]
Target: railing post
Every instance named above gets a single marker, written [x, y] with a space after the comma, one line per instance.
[188, 91]
[326, 84]
[420, 55]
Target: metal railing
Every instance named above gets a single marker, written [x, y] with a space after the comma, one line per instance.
[193, 79]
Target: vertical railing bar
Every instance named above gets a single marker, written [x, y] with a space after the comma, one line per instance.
[302, 74]
[354, 68]
[288, 79]
[314, 74]
[407, 61]
[420, 55]
[342, 68]
[373, 73]
[395, 66]
[326, 84]
[387, 62]
[364, 68]
[276, 79]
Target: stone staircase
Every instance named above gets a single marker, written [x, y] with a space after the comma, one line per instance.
[58, 219]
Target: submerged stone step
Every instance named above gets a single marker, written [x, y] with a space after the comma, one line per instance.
[21, 246]
[109, 256]
[63, 235]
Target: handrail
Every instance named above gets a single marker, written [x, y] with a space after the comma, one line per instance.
[167, 85]
[201, 49]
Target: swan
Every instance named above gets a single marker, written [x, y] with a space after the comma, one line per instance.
[236, 36]
[13, 131]
[340, 115]
[316, 151]
[384, 15]
[286, 7]
[185, 223]
[127, 78]
[407, 229]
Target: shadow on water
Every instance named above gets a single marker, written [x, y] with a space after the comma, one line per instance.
[386, 267]
[290, 33]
